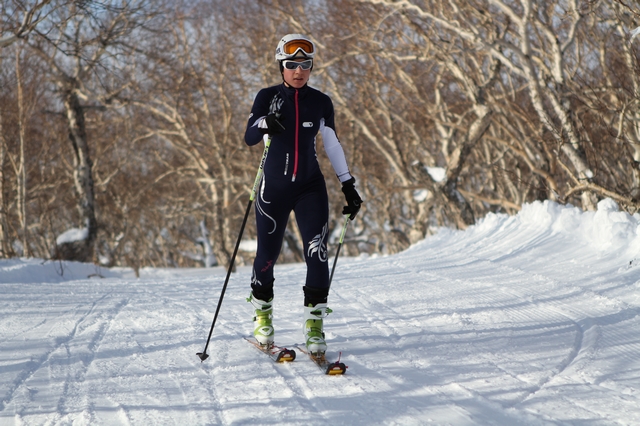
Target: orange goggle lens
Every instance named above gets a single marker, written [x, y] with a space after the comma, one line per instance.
[292, 47]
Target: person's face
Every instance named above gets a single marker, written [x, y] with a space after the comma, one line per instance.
[297, 77]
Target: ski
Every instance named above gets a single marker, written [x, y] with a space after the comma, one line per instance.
[276, 353]
[330, 368]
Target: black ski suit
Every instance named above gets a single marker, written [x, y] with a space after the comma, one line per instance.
[292, 180]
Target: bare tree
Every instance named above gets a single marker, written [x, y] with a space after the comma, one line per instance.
[30, 166]
[446, 111]
[18, 28]
[488, 54]
[4, 246]
[81, 45]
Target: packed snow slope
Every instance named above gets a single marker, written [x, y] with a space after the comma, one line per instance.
[525, 320]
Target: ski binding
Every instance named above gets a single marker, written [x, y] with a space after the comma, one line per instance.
[330, 368]
[276, 353]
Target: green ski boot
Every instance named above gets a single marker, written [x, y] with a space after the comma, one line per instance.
[312, 328]
[263, 321]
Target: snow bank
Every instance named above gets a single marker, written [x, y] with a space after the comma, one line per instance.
[23, 270]
[607, 230]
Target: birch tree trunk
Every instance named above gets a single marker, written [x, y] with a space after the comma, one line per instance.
[22, 166]
[4, 244]
[82, 176]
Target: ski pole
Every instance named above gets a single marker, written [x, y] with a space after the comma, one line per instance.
[267, 142]
[335, 260]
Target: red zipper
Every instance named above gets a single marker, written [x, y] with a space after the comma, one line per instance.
[295, 157]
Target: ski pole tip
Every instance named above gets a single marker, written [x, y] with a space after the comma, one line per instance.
[202, 356]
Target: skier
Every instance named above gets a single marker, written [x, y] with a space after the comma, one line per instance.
[292, 114]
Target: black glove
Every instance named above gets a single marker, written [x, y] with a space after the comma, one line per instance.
[353, 198]
[274, 126]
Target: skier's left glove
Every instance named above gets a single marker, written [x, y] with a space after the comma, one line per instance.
[353, 198]
[272, 124]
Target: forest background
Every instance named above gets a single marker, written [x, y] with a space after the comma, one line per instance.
[122, 121]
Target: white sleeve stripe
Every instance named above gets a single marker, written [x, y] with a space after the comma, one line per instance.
[260, 123]
[334, 151]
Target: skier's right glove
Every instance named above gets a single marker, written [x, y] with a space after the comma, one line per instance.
[353, 198]
[272, 124]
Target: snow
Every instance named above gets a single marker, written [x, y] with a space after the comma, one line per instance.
[532, 319]
[248, 245]
[72, 235]
[438, 174]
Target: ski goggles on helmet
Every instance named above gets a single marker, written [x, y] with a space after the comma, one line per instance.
[292, 47]
[292, 65]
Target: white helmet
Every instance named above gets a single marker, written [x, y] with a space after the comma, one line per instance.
[295, 46]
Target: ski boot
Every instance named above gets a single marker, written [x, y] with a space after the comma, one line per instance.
[312, 328]
[263, 321]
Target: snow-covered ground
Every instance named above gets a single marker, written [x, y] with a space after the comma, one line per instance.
[525, 320]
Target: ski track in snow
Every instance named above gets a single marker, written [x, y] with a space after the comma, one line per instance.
[528, 320]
